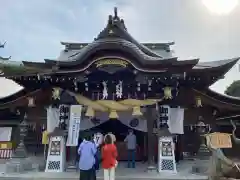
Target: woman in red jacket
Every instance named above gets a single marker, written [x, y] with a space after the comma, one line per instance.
[109, 155]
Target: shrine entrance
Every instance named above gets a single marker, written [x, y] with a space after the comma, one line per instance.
[120, 131]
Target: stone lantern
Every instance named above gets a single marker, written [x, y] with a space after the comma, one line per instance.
[202, 129]
[20, 151]
[20, 161]
[203, 155]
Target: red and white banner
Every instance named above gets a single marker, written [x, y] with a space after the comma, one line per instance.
[6, 153]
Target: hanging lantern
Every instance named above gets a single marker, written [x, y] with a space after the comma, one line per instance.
[149, 85]
[137, 111]
[167, 92]
[90, 112]
[56, 93]
[138, 87]
[18, 112]
[198, 102]
[31, 102]
[25, 116]
[113, 114]
[75, 85]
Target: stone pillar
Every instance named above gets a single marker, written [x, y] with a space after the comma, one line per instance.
[181, 145]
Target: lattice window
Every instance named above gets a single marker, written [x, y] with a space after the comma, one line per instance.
[54, 165]
[167, 164]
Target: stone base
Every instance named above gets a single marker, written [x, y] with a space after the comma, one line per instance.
[201, 167]
[203, 153]
[151, 169]
[20, 165]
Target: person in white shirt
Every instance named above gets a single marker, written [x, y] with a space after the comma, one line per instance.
[98, 139]
[131, 148]
[112, 136]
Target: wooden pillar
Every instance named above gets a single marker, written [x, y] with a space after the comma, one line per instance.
[150, 117]
[180, 146]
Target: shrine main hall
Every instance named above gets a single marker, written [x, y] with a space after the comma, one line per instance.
[119, 84]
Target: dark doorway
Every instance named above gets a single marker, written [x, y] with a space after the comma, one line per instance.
[120, 131]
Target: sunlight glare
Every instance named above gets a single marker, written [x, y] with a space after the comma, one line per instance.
[220, 7]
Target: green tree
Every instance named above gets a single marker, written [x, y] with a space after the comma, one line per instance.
[233, 89]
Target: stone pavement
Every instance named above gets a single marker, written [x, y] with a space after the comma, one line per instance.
[122, 173]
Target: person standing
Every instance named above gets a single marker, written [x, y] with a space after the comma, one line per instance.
[87, 151]
[109, 155]
[112, 136]
[98, 140]
[131, 148]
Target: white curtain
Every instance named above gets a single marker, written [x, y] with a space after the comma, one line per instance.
[88, 123]
[127, 119]
[175, 122]
[52, 118]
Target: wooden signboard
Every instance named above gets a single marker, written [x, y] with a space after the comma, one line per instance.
[108, 61]
[219, 140]
[6, 145]
[111, 65]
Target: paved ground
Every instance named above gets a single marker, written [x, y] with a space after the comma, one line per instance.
[122, 173]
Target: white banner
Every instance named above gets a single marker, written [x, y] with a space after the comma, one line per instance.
[52, 118]
[5, 133]
[175, 122]
[164, 115]
[74, 125]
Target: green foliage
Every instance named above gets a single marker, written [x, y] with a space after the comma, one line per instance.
[233, 89]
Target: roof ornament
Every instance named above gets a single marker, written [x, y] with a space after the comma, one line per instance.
[110, 19]
[116, 18]
[115, 12]
[2, 45]
[113, 26]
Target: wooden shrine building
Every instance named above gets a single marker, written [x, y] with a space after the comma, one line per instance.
[116, 73]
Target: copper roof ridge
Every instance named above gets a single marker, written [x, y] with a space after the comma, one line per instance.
[224, 95]
[86, 43]
[215, 99]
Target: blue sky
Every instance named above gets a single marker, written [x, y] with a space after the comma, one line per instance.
[33, 29]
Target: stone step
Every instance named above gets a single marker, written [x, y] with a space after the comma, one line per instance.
[75, 176]
[99, 178]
